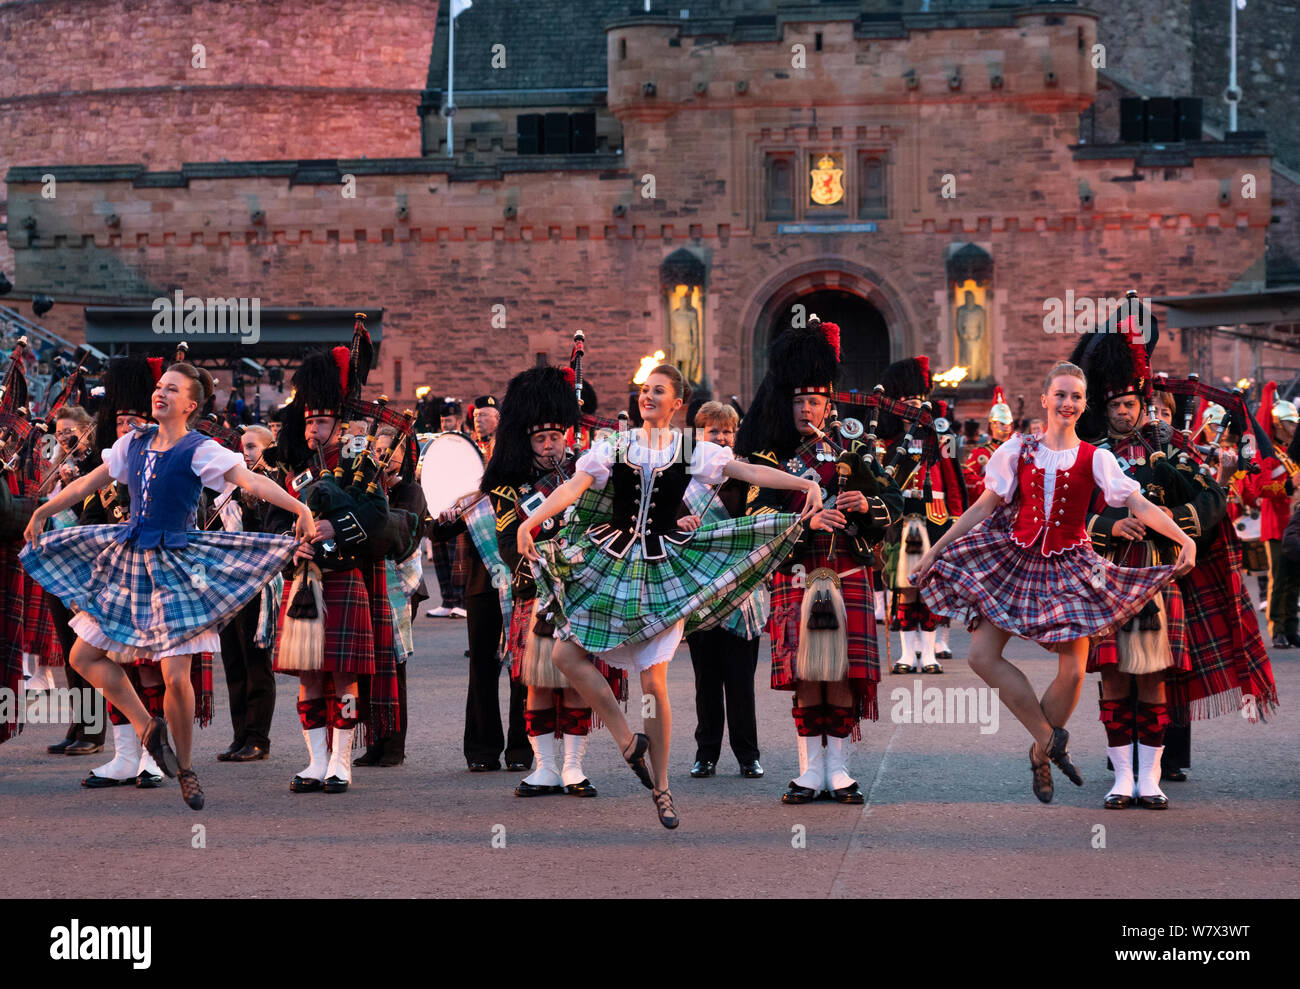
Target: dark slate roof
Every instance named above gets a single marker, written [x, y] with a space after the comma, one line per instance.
[560, 44]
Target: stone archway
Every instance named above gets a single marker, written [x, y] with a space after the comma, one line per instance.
[875, 327]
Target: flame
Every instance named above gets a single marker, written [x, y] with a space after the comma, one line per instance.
[648, 364]
[952, 377]
[422, 391]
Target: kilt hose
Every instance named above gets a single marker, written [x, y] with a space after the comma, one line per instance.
[358, 642]
[864, 651]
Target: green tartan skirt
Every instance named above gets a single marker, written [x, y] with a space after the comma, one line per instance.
[603, 602]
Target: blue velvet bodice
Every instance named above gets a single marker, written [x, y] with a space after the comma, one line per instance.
[162, 508]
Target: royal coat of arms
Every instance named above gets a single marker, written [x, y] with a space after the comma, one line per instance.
[827, 182]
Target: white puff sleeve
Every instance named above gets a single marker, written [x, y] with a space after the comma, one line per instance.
[211, 461]
[707, 461]
[115, 457]
[1115, 485]
[1002, 469]
[598, 461]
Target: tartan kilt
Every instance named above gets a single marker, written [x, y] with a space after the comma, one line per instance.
[522, 616]
[350, 645]
[11, 623]
[1105, 651]
[1051, 600]
[1229, 660]
[602, 601]
[859, 610]
[154, 599]
[38, 636]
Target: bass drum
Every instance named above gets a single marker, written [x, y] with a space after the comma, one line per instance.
[450, 468]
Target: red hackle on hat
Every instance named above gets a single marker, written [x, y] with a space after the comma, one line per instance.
[569, 376]
[924, 361]
[832, 331]
[999, 397]
[155, 368]
[342, 357]
[1264, 414]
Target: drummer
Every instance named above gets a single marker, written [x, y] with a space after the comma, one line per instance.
[451, 419]
[483, 737]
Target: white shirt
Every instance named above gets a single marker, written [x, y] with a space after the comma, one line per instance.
[1000, 474]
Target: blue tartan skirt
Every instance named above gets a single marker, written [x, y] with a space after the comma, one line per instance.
[1049, 599]
[147, 602]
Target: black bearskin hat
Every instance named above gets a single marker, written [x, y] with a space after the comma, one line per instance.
[1116, 361]
[129, 384]
[903, 379]
[537, 399]
[318, 390]
[799, 360]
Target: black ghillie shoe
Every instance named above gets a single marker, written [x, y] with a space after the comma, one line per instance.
[1043, 787]
[664, 807]
[635, 757]
[155, 740]
[1059, 752]
[191, 792]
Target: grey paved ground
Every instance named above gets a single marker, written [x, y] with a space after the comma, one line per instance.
[949, 813]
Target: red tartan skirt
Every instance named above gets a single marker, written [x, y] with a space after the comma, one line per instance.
[349, 632]
[521, 626]
[1105, 652]
[783, 624]
[1051, 600]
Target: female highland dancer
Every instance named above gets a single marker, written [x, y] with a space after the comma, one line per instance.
[627, 580]
[155, 588]
[1021, 557]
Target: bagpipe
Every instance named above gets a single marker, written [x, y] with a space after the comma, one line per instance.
[20, 461]
[1249, 440]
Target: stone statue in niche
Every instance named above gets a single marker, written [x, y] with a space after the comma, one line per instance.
[972, 338]
[684, 336]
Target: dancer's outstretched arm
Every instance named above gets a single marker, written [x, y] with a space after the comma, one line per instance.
[1153, 518]
[74, 494]
[264, 489]
[973, 516]
[770, 477]
[556, 502]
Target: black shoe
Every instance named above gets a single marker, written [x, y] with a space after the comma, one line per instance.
[751, 770]
[848, 795]
[1042, 784]
[583, 789]
[249, 753]
[703, 769]
[1059, 752]
[1173, 776]
[484, 767]
[391, 757]
[943, 654]
[932, 668]
[336, 784]
[155, 741]
[664, 808]
[519, 767]
[225, 754]
[58, 748]
[371, 758]
[533, 790]
[1293, 639]
[798, 794]
[1280, 642]
[83, 746]
[1117, 801]
[1158, 802]
[901, 667]
[191, 792]
[148, 781]
[305, 784]
[93, 782]
[634, 756]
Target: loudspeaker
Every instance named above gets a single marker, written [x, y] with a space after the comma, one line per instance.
[528, 133]
[555, 134]
[1189, 118]
[1162, 119]
[582, 133]
[1132, 119]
